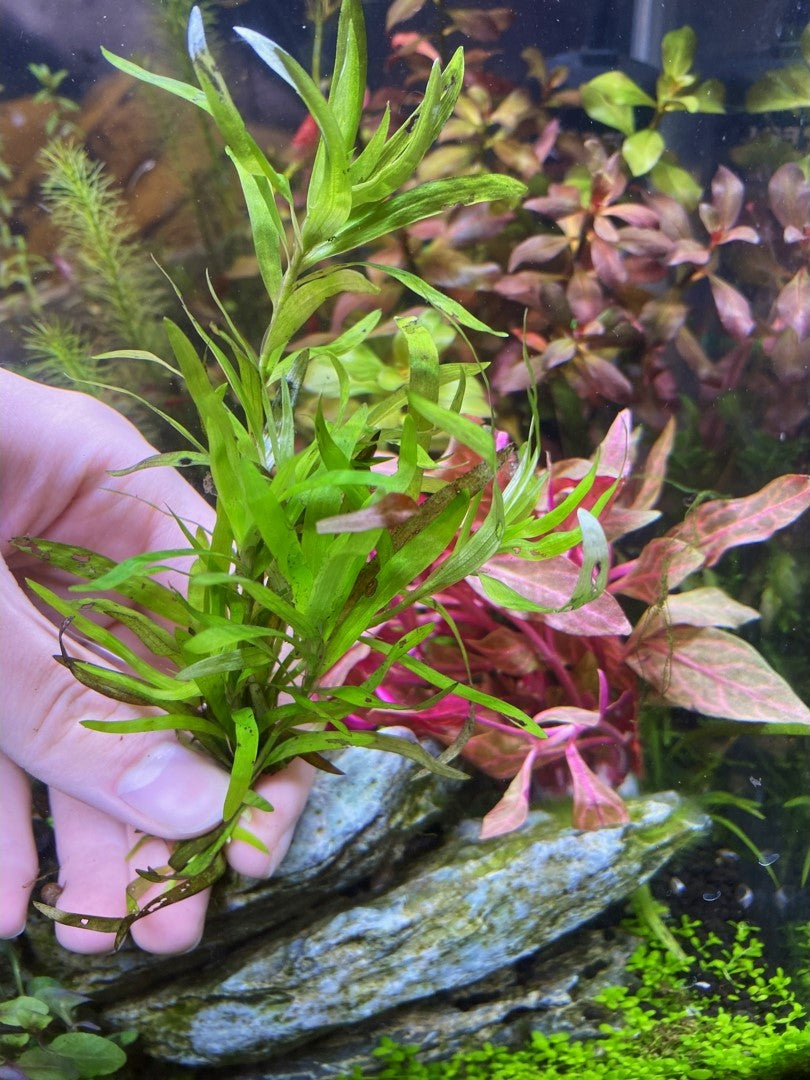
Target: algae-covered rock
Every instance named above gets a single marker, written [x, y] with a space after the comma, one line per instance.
[466, 911]
[352, 827]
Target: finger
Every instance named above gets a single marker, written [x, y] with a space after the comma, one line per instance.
[150, 781]
[18, 855]
[91, 848]
[287, 793]
[176, 928]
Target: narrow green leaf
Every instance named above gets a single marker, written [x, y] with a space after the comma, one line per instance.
[416, 204]
[175, 459]
[479, 439]
[94, 567]
[168, 722]
[309, 295]
[244, 758]
[329, 196]
[265, 226]
[173, 86]
[348, 84]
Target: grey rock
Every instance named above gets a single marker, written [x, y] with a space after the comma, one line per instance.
[552, 991]
[467, 911]
[354, 826]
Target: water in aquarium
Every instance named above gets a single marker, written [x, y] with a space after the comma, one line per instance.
[406, 427]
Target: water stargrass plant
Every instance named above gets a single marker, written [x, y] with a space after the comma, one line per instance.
[314, 545]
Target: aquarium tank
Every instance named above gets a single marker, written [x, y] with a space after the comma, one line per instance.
[479, 335]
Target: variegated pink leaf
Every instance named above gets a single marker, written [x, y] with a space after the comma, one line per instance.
[655, 468]
[662, 565]
[596, 804]
[550, 584]
[725, 523]
[716, 674]
[513, 808]
[707, 606]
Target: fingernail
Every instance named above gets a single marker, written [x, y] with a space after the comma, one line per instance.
[180, 792]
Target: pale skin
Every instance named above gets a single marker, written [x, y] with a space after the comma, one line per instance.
[106, 791]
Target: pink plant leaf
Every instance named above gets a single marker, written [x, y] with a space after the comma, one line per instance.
[568, 714]
[618, 521]
[558, 352]
[727, 197]
[721, 524]
[596, 804]
[407, 42]
[561, 201]
[655, 468]
[732, 307]
[508, 651]
[605, 229]
[550, 584]
[545, 144]
[604, 378]
[662, 565]
[616, 450]
[607, 262]
[690, 251]
[585, 297]
[650, 242]
[743, 233]
[705, 606]
[401, 10]
[793, 303]
[538, 249]
[513, 808]
[643, 217]
[392, 509]
[716, 674]
[789, 195]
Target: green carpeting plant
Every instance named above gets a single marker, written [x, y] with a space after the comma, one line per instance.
[313, 545]
[714, 1012]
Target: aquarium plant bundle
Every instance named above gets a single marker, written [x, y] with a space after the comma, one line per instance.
[314, 546]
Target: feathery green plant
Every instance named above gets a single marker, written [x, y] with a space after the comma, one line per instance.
[122, 287]
[314, 546]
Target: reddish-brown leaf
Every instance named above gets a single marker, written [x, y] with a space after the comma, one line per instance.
[793, 303]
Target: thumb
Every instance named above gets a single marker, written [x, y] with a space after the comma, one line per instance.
[147, 780]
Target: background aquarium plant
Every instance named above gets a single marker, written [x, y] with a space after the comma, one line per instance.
[509, 345]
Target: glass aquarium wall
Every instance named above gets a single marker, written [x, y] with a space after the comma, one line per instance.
[576, 261]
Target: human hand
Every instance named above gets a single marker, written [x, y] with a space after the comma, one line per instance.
[105, 791]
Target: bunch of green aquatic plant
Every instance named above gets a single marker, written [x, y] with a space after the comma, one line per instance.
[313, 546]
[714, 1011]
[121, 287]
[786, 87]
[44, 1037]
[611, 98]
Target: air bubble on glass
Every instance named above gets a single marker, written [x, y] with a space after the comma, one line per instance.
[710, 897]
[768, 858]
